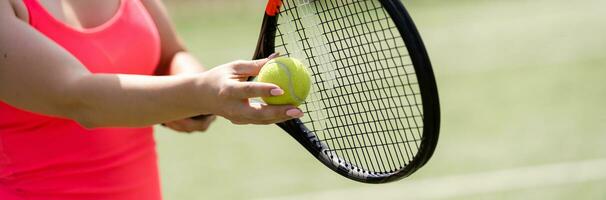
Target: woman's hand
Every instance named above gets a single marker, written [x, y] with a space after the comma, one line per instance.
[230, 93]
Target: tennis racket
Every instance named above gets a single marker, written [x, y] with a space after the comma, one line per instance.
[372, 114]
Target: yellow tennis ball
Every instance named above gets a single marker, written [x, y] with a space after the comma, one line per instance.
[290, 75]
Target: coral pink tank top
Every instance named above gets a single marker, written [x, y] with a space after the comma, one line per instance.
[44, 157]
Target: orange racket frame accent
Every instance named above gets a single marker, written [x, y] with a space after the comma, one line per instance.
[273, 7]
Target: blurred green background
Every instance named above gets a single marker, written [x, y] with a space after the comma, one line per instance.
[521, 84]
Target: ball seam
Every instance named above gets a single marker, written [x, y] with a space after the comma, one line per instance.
[290, 82]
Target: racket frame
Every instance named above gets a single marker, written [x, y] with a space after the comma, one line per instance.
[427, 84]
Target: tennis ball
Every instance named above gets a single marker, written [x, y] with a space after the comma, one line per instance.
[290, 75]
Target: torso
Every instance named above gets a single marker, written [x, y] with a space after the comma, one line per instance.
[44, 156]
[74, 13]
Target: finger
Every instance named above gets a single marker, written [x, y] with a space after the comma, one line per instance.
[267, 114]
[175, 126]
[278, 120]
[197, 125]
[188, 125]
[252, 67]
[207, 122]
[245, 90]
[200, 117]
[273, 55]
[275, 120]
[291, 111]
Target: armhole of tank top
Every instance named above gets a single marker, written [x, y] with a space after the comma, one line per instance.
[28, 11]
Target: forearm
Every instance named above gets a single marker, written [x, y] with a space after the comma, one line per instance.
[130, 100]
[39, 76]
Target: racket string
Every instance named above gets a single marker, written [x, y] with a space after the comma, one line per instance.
[380, 153]
[375, 152]
[368, 161]
[301, 34]
[367, 127]
[365, 93]
[384, 154]
[388, 153]
[409, 86]
[384, 81]
[362, 112]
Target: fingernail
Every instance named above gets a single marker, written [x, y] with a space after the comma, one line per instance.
[277, 92]
[273, 55]
[295, 113]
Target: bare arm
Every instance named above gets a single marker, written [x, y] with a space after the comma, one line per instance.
[174, 59]
[38, 75]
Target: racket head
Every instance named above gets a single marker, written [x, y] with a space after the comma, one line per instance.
[393, 130]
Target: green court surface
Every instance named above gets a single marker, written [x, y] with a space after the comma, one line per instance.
[522, 85]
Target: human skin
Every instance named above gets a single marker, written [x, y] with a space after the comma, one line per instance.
[38, 75]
